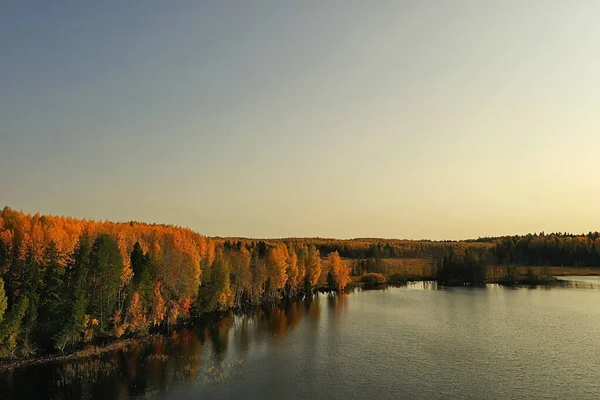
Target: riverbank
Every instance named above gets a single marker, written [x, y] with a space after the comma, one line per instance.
[88, 351]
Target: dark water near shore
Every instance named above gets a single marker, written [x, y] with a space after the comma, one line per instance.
[412, 342]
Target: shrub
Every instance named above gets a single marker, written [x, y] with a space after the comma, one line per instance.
[373, 278]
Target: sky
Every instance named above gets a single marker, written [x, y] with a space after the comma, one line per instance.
[338, 118]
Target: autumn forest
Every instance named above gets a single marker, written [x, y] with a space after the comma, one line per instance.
[65, 282]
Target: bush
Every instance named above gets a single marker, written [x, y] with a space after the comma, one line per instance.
[373, 278]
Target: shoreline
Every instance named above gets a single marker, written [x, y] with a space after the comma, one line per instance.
[96, 350]
[91, 351]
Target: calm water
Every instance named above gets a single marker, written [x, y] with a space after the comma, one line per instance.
[412, 342]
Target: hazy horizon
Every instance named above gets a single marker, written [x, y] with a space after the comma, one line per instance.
[410, 120]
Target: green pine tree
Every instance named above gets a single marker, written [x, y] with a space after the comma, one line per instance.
[76, 280]
[52, 294]
[142, 279]
[106, 266]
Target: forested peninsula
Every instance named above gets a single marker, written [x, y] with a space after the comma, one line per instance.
[66, 283]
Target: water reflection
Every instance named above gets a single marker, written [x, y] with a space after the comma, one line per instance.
[580, 282]
[210, 352]
[345, 342]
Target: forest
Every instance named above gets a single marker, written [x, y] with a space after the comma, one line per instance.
[65, 282]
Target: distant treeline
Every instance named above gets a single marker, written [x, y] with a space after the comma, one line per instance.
[65, 281]
[368, 248]
[556, 249]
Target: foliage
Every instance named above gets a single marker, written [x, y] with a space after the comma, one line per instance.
[3, 300]
[339, 275]
[460, 268]
[159, 310]
[217, 294]
[313, 269]
[66, 281]
[373, 278]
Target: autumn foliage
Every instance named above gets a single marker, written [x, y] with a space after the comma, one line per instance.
[64, 281]
[339, 275]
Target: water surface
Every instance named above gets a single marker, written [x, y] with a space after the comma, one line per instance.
[415, 342]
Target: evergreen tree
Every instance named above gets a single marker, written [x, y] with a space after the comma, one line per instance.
[106, 266]
[216, 293]
[141, 266]
[52, 293]
[31, 286]
[10, 328]
[73, 326]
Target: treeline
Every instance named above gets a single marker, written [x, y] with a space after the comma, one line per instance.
[65, 281]
[371, 248]
[555, 249]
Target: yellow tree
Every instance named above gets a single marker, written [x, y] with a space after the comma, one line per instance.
[313, 269]
[292, 271]
[159, 310]
[277, 268]
[339, 274]
[136, 320]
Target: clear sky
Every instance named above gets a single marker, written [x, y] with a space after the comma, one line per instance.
[407, 119]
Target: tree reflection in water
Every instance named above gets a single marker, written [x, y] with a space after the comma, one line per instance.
[178, 358]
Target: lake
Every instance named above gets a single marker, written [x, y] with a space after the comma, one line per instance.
[417, 341]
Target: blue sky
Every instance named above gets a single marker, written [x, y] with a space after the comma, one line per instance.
[408, 119]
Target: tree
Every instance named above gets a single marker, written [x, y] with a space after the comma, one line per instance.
[106, 266]
[277, 269]
[216, 294]
[52, 292]
[3, 300]
[313, 269]
[11, 326]
[292, 272]
[339, 274]
[136, 320]
[302, 263]
[76, 276]
[140, 264]
[159, 309]
[31, 288]
[242, 276]
[259, 277]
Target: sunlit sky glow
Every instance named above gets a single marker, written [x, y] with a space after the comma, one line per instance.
[405, 119]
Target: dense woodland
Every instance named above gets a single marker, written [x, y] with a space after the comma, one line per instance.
[66, 281]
